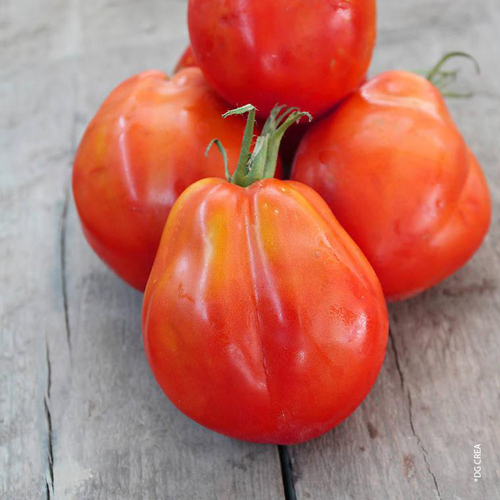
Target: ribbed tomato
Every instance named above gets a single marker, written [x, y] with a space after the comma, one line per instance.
[398, 175]
[145, 145]
[262, 319]
[305, 53]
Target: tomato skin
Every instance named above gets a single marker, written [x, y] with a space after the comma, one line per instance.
[262, 319]
[186, 60]
[309, 54]
[145, 145]
[291, 142]
[397, 174]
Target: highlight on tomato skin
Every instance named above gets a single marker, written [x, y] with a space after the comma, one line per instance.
[399, 177]
[308, 54]
[262, 319]
[144, 146]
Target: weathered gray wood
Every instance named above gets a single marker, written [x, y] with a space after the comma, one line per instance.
[81, 416]
[439, 391]
[34, 151]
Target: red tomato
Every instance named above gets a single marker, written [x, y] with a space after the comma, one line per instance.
[291, 143]
[308, 54]
[143, 148]
[187, 60]
[262, 319]
[399, 177]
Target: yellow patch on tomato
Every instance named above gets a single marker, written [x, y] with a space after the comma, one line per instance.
[217, 235]
[100, 143]
[268, 218]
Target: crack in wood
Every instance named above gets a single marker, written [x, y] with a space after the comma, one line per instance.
[49, 484]
[287, 473]
[63, 225]
[406, 390]
[62, 246]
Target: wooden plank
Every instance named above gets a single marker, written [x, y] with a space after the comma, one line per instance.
[439, 391]
[81, 416]
[35, 139]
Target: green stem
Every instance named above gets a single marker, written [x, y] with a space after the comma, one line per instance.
[441, 78]
[261, 163]
[246, 144]
[222, 150]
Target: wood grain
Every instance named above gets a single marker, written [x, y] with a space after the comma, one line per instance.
[80, 414]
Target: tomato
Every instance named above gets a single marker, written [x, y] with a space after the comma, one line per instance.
[145, 145]
[291, 142]
[187, 60]
[397, 174]
[262, 319]
[301, 53]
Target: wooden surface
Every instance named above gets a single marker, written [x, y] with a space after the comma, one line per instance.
[81, 417]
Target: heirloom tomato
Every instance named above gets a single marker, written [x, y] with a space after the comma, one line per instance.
[187, 60]
[397, 174]
[145, 145]
[262, 319]
[306, 53]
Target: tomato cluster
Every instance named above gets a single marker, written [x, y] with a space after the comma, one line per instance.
[264, 313]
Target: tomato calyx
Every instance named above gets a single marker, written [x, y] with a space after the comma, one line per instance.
[261, 162]
[443, 78]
